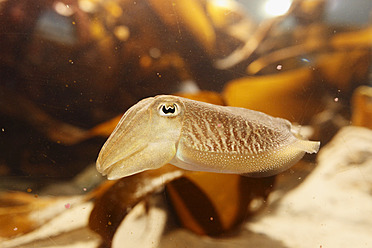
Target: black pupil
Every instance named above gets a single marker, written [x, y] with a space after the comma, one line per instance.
[168, 110]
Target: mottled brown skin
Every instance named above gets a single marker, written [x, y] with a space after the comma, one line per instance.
[201, 137]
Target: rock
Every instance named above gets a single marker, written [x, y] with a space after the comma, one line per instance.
[333, 206]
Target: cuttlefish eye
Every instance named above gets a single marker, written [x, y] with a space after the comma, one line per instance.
[168, 109]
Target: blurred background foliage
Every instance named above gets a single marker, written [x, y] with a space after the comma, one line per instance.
[68, 66]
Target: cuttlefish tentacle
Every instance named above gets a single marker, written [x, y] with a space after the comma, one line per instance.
[201, 137]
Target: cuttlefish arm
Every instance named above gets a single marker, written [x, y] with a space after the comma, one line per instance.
[199, 136]
[140, 141]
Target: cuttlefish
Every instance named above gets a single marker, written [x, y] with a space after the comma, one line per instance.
[199, 136]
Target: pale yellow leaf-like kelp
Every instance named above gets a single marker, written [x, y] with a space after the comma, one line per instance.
[199, 136]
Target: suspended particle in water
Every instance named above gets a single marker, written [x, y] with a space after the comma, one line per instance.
[155, 53]
[305, 60]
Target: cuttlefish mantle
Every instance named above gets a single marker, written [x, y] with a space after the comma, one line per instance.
[199, 136]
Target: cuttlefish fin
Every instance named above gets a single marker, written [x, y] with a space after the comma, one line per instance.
[285, 158]
[308, 146]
